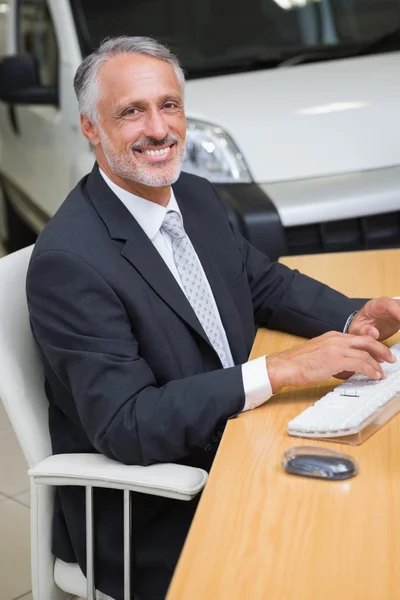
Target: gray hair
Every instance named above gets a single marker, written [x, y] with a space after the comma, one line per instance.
[86, 78]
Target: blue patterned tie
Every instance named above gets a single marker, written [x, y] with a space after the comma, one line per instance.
[194, 282]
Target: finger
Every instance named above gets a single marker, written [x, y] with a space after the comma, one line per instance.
[361, 357]
[370, 331]
[363, 367]
[393, 307]
[373, 332]
[387, 307]
[375, 348]
[378, 350]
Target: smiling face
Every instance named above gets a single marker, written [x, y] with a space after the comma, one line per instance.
[140, 133]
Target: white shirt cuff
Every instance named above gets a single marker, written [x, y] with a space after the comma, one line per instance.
[257, 387]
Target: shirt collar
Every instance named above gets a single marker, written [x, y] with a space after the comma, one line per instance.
[148, 214]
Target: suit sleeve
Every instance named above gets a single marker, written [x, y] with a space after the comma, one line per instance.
[85, 335]
[287, 300]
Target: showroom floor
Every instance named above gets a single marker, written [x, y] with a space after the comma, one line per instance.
[15, 581]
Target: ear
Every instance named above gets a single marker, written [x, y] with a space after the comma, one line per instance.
[90, 130]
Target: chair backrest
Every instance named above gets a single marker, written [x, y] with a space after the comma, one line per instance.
[21, 370]
[22, 393]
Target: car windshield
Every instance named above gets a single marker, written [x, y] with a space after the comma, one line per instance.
[220, 36]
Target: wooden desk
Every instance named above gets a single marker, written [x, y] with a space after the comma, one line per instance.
[260, 534]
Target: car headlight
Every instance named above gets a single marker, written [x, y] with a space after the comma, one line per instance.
[210, 152]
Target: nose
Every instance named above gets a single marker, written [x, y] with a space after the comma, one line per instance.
[156, 125]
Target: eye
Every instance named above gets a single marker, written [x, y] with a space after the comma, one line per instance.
[131, 111]
[170, 105]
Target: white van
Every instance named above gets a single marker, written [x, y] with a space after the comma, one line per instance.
[293, 111]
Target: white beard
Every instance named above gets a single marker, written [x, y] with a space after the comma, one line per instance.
[122, 164]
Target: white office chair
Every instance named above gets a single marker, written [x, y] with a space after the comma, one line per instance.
[22, 393]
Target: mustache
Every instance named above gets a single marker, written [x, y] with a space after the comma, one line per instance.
[150, 141]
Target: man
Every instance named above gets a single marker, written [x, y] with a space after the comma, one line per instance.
[144, 302]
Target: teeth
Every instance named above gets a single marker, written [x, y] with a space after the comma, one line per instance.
[162, 152]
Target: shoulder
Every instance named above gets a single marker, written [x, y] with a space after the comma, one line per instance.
[73, 226]
[200, 195]
[193, 183]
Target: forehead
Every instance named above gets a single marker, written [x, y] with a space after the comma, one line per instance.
[130, 77]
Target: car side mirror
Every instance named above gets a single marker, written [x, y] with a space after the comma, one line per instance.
[20, 84]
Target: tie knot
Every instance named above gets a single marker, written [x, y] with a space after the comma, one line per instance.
[173, 225]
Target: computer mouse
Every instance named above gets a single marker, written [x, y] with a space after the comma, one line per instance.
[322, 463]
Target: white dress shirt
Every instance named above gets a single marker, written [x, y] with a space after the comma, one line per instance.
[150, 217]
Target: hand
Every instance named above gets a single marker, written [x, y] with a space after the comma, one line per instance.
[322, 357]
[379, 318]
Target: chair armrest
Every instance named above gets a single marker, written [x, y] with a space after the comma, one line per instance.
[168, 480]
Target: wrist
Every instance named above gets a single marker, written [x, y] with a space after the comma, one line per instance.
[276, 373]
[351, 322]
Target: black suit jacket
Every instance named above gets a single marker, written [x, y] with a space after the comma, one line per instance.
[129, 370]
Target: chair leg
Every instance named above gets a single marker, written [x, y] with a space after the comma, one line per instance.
[91, 590]
[89, 544]
[127, 544]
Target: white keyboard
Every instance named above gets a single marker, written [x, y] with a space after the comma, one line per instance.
[351, 406]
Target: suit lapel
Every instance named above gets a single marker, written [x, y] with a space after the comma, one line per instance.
[138, 249]
[140, 252]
